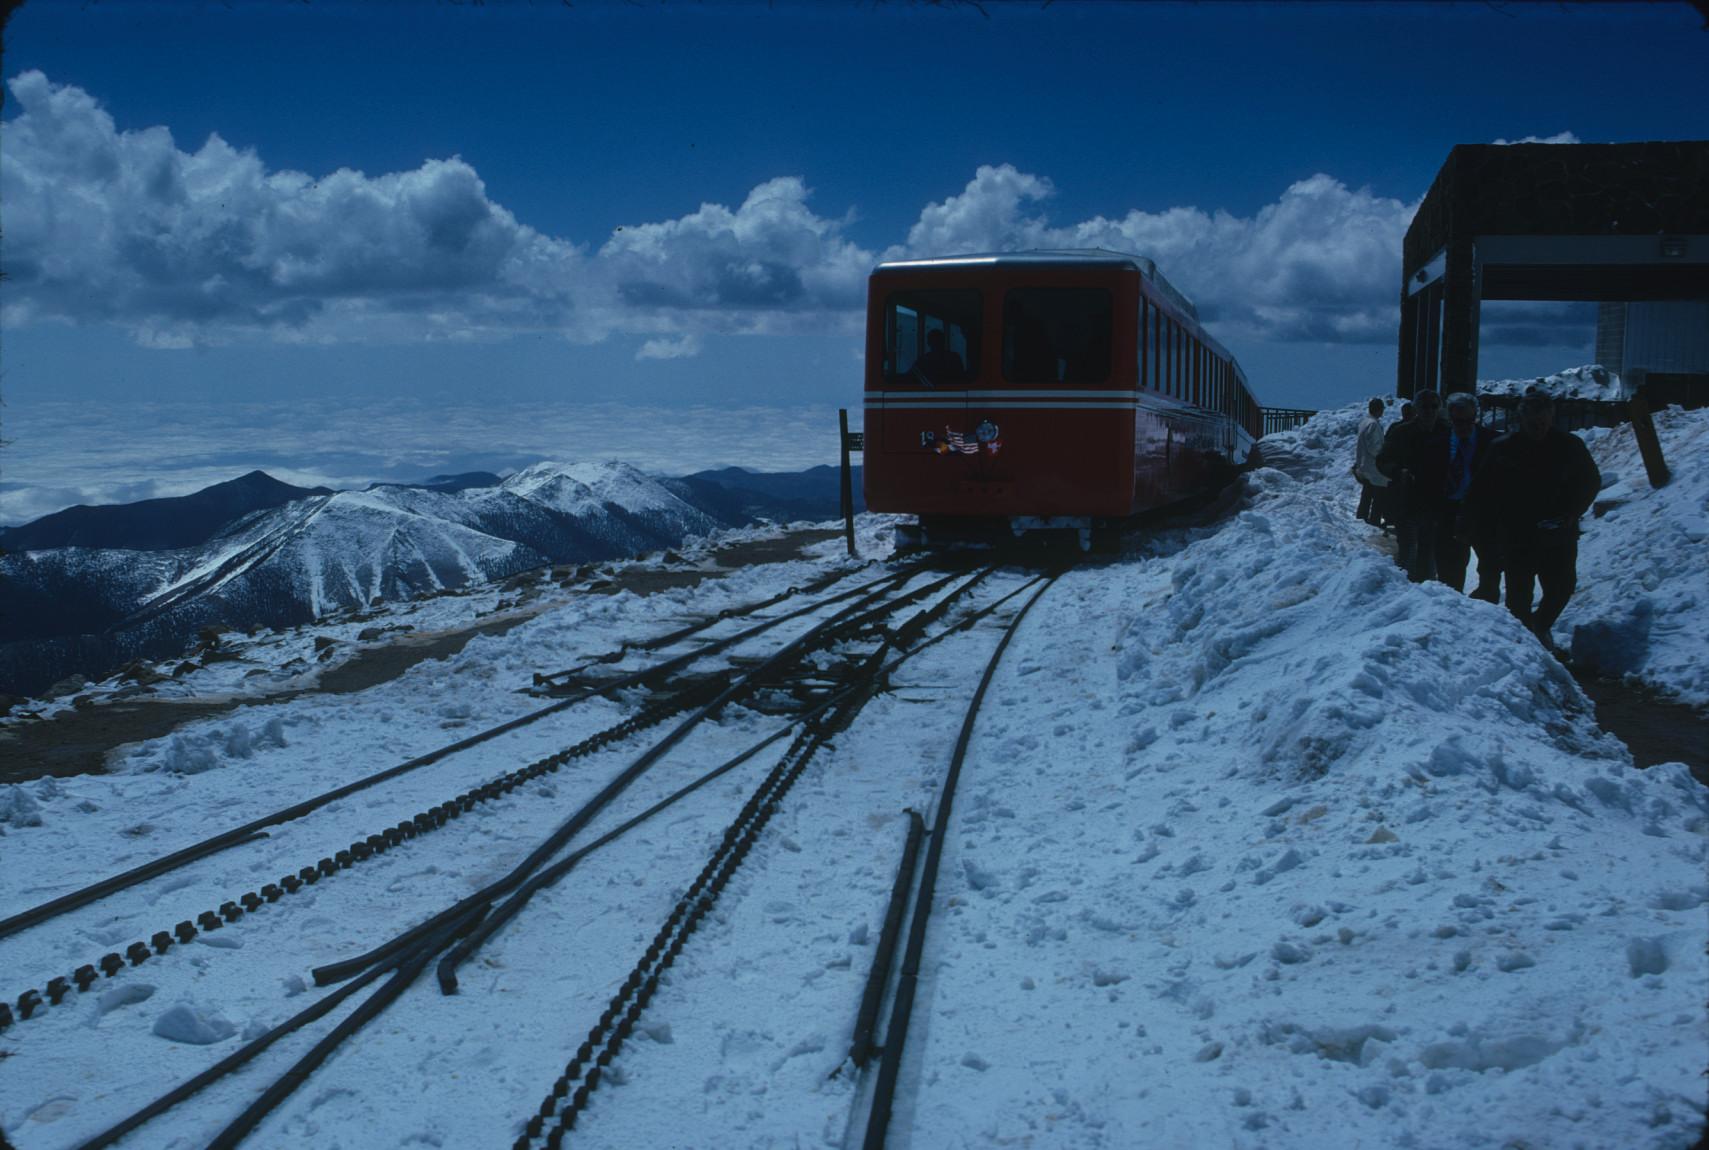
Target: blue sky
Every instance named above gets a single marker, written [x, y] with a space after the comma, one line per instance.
[678, 203]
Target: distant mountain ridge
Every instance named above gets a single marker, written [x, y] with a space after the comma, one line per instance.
[69, 607]
[156, 524]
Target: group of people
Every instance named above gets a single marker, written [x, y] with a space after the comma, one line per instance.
[1454, 488]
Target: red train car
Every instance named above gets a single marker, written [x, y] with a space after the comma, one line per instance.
[1041, 390]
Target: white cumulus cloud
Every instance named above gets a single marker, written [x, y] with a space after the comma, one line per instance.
[179, 246]
[684, 347]
[184, 247]
[1557, 138]
[1321, 263]
[754, 265]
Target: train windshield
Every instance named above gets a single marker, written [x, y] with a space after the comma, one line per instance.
[1056, 335]
[931, 338]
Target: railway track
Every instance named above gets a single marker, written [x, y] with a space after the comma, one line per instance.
[819, 696]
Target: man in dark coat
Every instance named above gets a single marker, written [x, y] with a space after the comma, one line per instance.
[1415, 457]
[1531, 490]
[1457, 533]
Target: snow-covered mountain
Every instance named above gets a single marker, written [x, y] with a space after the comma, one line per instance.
[75, 608]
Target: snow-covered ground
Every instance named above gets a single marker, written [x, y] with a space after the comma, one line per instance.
[1258, 844]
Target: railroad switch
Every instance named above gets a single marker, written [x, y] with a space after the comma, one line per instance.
[111, 964]
[185, 931]
[162, 941]
[57, 988]
[5, 1015]
[250, 900]
[271, 892]
[137, 952]
[28, 1001]
[84, 976]
[230, 911]
[208, 920]
[291, 883]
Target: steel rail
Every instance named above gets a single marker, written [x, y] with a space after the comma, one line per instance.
[333, 972]
[896, 1033]
[232, 1061]
[254, 829]
[413, 959]
[407, 962]
[605, 1039]
[861, 1045]
[461, 953]
[681, 633]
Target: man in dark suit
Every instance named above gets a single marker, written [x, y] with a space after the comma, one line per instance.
[1531, 490]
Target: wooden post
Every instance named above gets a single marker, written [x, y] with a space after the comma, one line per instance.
[1649, 445]
[848, 482]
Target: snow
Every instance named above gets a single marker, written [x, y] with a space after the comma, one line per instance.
[1592, 381]
[1257, 844]
[1642, 605]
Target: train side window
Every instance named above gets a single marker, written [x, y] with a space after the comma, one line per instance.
[1156, 350]
[1144, 338]
[1056, 335]
[931, 338]
[1175, 364]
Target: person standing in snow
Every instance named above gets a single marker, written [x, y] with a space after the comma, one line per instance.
[1391, 497]
[1457, 533]
[1532, 488]
[1415, 456]
[1371, 480]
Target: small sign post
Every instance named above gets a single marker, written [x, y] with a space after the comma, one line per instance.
[855, 441]
[1649, 444]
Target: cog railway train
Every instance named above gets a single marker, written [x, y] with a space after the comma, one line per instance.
[1042, 391]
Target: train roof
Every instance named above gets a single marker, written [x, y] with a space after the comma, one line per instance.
[1055, 258]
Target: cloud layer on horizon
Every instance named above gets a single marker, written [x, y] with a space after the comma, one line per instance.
[182, 248]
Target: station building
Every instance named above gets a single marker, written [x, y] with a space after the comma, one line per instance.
[1625, 226]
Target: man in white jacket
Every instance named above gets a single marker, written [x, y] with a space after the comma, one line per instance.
[1365, 464]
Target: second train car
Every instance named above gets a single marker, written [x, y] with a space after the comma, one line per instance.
[1045, 390]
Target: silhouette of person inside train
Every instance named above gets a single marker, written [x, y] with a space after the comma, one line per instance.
[939, 364]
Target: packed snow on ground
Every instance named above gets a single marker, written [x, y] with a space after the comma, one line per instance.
[1258, 844]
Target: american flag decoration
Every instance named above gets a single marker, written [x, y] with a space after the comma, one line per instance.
[955, 441]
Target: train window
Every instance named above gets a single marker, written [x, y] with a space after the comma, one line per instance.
[911, 321]
[1056, 335]
[1144, 335]
[1156, 350]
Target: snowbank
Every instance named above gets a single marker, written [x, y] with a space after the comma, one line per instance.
[1642, 604]
[1592, 381]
